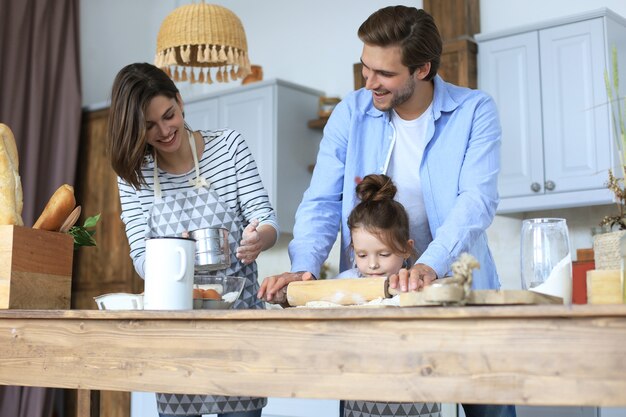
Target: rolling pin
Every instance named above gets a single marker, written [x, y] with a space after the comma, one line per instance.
[349, 291]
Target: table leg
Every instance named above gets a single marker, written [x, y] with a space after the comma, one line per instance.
[87, 403]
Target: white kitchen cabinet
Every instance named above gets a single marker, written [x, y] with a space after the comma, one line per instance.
[548, 83]
[272, 116]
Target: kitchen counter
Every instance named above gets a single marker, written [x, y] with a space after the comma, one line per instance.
[530, 355]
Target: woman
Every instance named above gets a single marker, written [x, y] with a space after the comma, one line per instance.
[172, 180]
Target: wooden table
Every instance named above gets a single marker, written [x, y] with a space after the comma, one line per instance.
[531, 355]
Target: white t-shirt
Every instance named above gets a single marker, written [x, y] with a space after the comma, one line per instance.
[403, 169]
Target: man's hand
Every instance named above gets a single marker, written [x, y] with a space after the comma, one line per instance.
[414, 279]
[274, 289]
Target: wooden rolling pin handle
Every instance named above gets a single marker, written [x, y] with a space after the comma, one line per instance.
[346, 291]
[390, 292]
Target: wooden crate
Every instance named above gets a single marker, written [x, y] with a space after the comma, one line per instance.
[604, 286]
[35, 268]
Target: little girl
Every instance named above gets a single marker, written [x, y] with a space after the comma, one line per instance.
[379, 228]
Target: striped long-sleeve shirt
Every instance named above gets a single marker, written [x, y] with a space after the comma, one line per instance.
[229, 166]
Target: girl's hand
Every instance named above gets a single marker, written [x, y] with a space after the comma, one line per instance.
[251, 244]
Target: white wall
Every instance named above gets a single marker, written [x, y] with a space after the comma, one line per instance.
[310, 43]
[298, 41]
[115, 33]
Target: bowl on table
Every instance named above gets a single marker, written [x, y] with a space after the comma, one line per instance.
[216, 292]
[119, 301]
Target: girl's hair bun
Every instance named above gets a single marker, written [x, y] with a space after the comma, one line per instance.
[376, 187]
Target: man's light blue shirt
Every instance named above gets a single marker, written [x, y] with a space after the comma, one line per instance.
[458, 172]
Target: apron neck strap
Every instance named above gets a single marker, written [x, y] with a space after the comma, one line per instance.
[155, 177]
[197, 182]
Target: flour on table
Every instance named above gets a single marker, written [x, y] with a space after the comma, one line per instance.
[320, 304]
[393, 301]
[377, 302]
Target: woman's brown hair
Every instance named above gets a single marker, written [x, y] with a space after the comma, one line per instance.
[412, 29]
[134, 86]
[380, 214]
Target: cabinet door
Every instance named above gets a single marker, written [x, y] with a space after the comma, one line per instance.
[250, 113]
[202, 114]
[509, 72]
[577, 142]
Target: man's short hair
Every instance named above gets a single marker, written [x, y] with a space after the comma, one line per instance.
[412, 29]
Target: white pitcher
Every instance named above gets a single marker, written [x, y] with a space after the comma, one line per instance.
[169, 273]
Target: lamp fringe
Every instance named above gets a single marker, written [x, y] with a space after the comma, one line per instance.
[185, 53]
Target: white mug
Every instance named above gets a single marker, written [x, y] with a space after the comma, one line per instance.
[169, 273]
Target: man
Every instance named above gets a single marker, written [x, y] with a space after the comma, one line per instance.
[440, 144]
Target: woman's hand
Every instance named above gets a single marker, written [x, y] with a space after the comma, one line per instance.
[254, 240]
[274, 289]
[414, 279]
[250, 245]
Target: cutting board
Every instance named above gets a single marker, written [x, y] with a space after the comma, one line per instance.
[359, 291]
[435, 296]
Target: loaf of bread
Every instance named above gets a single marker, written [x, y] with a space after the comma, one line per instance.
[11, 198]
[58, 208]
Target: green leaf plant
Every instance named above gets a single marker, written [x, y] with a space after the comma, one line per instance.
[83, 235]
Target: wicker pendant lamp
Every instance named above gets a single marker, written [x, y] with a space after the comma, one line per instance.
[196, 38]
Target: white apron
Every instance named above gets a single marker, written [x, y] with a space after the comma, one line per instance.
[199, 208]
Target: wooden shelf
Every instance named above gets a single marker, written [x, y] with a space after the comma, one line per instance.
[318, 123]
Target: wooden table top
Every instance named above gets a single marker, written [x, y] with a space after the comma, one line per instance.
[345, 313]
[531, 355]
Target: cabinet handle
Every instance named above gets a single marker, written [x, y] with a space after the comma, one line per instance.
[550, 185]
[535, 187]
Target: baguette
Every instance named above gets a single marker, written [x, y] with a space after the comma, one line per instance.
[58, 208]
[11, 198]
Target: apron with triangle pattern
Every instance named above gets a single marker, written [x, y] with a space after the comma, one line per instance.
[386, 409]
[199, 208]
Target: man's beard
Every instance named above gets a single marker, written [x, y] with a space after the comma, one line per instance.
[401, 97]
